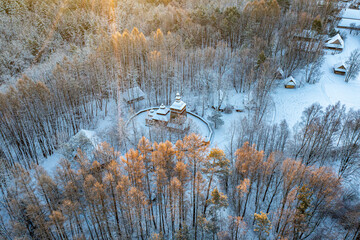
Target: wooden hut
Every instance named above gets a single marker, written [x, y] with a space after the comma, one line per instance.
[336, 43]
[279, 74]
[132, 95]
[340, 69]
[290, 82]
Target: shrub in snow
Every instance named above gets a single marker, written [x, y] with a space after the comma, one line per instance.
[353, 65]
[215, 117]
[228, 109]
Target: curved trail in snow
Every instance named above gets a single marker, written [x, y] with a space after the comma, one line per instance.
[274, 105]
[323, 90]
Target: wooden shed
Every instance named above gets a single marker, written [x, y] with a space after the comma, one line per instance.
[340, 69]
[279, 74]
[336, 43]
[132, 95]
[290, 82]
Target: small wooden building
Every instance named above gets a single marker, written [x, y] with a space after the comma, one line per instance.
[290, 82]
[352, 24]
[132, 95]
[279, 74]
[340, 69]
[336, 43]
[349, 19]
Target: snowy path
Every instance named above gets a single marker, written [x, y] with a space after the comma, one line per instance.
[323, 90]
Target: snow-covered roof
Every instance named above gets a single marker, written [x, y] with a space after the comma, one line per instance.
[290, 81]
[280, 71]
[151, 113]
[340, 66]
[350, 14]
[279, 74]
[335, 42]
[349, 23]
[163, 110]
[178, 104]
[158, 117]
[86, 140]
[154, 115]
[132, 94]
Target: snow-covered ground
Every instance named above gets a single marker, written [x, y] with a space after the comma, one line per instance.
[50, 163]
[331, 88]
[222, 134]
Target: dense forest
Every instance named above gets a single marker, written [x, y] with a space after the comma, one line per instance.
[64, 63]
[165, 190]
[87, 56]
